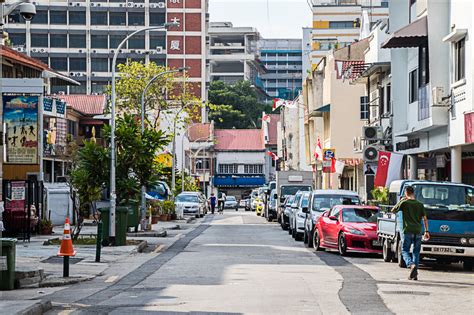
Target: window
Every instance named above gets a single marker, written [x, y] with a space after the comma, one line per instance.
[17, 39]
[203, 164]
[77, 17]
[58, 17]
[98, 87]
[157, 19]
[228, 168]
[382, 101]
[77, 64]
[115, 40]
[98, 18]
[364, 107]
[39, 40]
[389, 98]
[41, 17]
[78, 89]
[72, 127]
[58, 40]
[136, 42]
[59, 64]
[413, 86]
[157, 41]
[136, 18]
[99, 41]
[77, 40]
[253, 169]
[99, 64]
[460, 60]
[118, 18]
[424, 70]
[342, 24]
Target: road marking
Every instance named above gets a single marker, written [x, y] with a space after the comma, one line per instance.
[111, 279]
[159, 248]
[180, 235]
[66, 312]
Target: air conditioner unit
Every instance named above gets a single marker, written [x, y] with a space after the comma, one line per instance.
[43, 50]
[78, 4]
[34, 50]
[81, 51]
[20, 49]
[161, 5]
[141, 5]
[93, 4]
[159, 49]
[133, 51]
[371, 153]
[130, 4]
[372, 132]
[71, 73]
[94, 51]
[112, 51]
[98, 4]
[437, 94]
[153, 5]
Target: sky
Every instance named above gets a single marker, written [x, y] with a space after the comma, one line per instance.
[272, 18]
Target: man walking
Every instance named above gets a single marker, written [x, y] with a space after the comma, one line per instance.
[213, 201]
[413, 212]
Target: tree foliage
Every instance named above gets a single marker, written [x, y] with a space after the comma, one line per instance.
[235, 105]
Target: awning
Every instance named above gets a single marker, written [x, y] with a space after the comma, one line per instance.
[238, 181]
[324, 109]
[455, 35]
[94, 122]
[412, 35]
[57, 75]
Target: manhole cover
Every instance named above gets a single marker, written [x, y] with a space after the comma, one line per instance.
[407, 292]
[60, 260]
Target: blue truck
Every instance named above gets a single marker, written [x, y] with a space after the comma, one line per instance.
[450, 211]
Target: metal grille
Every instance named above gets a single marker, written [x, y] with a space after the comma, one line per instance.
[446, 240]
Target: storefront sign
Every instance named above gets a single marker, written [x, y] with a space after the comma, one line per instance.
[409, 144]
[20, 116]
[427, 163]
[54, 107]
[329, 157]
[18, 191]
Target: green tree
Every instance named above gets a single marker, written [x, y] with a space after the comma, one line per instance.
[235, 105]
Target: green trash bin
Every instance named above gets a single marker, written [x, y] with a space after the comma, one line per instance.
[133, 219]
[7, 263]
[121, 226]
[105, 218]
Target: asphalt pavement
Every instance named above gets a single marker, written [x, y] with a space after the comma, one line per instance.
[238, 263]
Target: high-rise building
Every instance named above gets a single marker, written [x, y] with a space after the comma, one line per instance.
[338, 23]
[283, 61]
[79, 38]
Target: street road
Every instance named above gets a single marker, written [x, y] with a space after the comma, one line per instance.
[239, 263]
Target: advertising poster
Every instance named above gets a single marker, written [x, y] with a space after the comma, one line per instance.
[329, 160]
[20, 118]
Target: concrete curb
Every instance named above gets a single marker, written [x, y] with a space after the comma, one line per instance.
[59, 282]
[38, 308]
[161, 233]
[141, 247]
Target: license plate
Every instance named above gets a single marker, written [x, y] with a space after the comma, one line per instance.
[444, 250]
[376, 243]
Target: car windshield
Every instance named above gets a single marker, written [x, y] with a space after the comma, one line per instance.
[231, 198]
[292, 190]
[359, 215]
[322, 203]
[305, 200]
[445, 197]
[187, 198]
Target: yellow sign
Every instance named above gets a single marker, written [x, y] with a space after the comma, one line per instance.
[164, 159]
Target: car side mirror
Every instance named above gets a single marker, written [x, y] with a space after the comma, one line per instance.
[282, 199]
[275, 196]
[305, 209]
[332, 217]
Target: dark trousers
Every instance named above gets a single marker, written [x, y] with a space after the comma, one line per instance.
[213, 207]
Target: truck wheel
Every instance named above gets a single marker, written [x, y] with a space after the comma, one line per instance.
[468, 265]
[401, 262]
[387, 251]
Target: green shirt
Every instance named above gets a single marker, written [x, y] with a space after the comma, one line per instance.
[413, 211]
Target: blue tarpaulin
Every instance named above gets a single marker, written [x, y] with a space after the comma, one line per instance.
[238, 181]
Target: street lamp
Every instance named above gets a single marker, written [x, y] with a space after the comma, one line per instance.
[113, 193]
[27, 10]
[173, 170]
[143, 202]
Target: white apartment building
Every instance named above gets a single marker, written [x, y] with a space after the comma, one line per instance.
[431, 61]
[337, 23]
[234, 54]
[79, 38]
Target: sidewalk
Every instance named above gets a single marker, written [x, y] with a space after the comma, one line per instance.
[35, 255]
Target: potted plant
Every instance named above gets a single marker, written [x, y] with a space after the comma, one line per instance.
[46, 227]
[155, 212]
[169, 206]
[380, 196]
[164, 211]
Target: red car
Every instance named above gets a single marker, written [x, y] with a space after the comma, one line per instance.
[348, 228]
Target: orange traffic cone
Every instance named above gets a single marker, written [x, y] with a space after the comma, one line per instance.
[66, 243]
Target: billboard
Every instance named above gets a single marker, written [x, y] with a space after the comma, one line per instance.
[20, 119]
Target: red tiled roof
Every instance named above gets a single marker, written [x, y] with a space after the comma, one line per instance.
[199, 132]
[86, 104]
[272, 129]
[239, 140]
[8, 53]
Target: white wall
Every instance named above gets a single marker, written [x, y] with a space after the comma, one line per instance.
[240, 157]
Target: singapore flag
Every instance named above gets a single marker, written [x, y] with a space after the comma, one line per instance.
[389, 168]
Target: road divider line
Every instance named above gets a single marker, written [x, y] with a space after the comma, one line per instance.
[111, 279]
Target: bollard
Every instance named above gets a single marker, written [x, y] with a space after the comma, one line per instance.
[99, 242]
[66, 267]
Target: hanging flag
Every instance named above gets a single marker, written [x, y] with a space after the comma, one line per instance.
[266, 118]
[389, 168]
[318, 152]
[339, 167]
[273, 156]
[278, 102]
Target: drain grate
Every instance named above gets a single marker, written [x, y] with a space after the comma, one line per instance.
[60, 260]
[406, 292]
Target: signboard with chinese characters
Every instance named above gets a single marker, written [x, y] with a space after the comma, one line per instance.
[20, 118]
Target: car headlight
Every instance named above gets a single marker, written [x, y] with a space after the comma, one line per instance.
[464, 241]
[471, 241]
[356, 232]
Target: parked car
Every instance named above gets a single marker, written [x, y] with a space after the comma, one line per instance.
[297, 216]
[253, 196]
[285, 212]
[348, 228]
[272, 205]
[192, 203]
[231, 203]
[322, 200]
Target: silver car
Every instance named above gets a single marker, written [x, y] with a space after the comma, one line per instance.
[192, 203]
[298, 216]
[231, 203]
